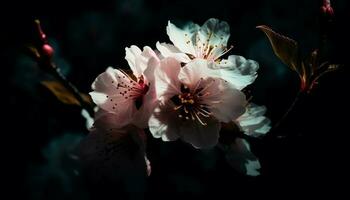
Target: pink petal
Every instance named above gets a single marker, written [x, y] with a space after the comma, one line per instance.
[106, 120]
[200, 136]
[195, 70]
[226, 102]
[164, 123]
[132, 55]
[166, 81]
[110, 92]
[168, 50]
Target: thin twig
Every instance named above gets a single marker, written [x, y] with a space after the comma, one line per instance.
[43, 56]
[56, 72]
[292, 105]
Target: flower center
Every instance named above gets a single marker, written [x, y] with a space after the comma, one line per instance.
[189, 107]
[205, 50]
[131, 87]
[144, 90]
[144, 87]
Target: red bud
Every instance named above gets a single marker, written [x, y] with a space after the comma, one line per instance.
[327, 9]
[47, 50]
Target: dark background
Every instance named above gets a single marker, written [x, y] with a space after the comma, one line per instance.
[307, 154]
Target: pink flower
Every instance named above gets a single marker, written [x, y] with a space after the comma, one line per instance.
[125, 98]
[193, 103]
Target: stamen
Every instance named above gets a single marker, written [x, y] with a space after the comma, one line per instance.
[203, 110]
[199, 119]
[129, 77]
[178, 107]
[223, 53]
[185, 109]
[193, 118]
[206, 87]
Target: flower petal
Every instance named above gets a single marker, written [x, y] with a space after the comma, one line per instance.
[184, 39]
[148, 53]
[104, 80]
[237, 70]
[107, 120]
[201, 136]
[226, 102]
[196, 70]
[149, 103]
[89, 120]
[166, 81]
[214, 32]
[132, 55]
[253, 122]
[149, 73]
[163, 123]
[138, 60]
[108, 94]
[169, 50]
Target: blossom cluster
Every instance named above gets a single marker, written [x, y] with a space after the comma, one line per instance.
[181, 90]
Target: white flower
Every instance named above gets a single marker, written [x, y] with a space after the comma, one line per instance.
[193, 103]
[124, 98]
[209, 42]
[253, 122]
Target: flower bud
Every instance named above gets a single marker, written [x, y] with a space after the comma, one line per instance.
[326, 9]
[47, 50]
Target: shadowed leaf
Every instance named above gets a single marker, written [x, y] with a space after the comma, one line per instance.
[33, 51]
[285, 48]
[64, 95]
[309, 69]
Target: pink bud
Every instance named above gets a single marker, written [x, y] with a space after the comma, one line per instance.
[47, 50]
[43, 36]
[327, 9]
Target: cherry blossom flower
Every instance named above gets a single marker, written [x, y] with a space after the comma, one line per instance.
[127, 98]
[209, 42]
[193, 103]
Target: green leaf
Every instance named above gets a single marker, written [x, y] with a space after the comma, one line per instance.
[63, 94]
[286, 49]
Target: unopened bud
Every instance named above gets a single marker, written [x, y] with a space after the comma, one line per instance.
[327, 9]
[47, 50]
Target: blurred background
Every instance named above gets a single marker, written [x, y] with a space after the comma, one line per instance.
[306, 152]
